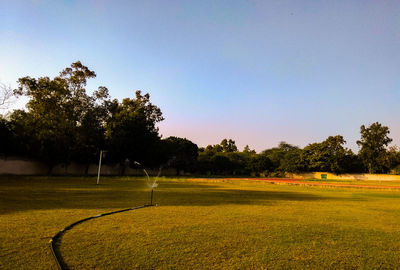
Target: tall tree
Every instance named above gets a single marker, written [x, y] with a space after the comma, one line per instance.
[182, 153]
[61, 116]
[374, 141]
[131, 130]
[291, 161]
[90, 128]
[228, 146]
[277, 154]
[49, 117]
[337, 153]
[329, 155]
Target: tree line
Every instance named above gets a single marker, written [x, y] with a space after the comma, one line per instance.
[329, 155]
[62, 123]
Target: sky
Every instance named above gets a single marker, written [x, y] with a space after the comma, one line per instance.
[258, 72]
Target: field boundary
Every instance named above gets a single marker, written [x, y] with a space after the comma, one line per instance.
[308, 183]
[53, 241]
[299, 182]
[344, 176]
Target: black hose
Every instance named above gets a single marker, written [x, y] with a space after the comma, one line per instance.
[56, 253]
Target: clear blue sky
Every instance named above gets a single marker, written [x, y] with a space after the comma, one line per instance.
[258, 72]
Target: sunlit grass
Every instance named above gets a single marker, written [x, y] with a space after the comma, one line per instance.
[197, 224]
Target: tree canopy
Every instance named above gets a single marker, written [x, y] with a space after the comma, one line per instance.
[131, 129]
[62, 119]
[374, 141]
[63, 123]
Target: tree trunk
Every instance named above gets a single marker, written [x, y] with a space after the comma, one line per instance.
[87, 169]
[122, 170]
[49, 171]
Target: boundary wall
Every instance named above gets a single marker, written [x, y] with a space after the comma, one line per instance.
[21, 166]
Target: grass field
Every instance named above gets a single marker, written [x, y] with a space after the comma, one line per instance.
[197, 225]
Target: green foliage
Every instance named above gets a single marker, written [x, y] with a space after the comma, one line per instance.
[277, 155]
[23, 140]
[259, 164]
[131, 129]
[396, 170]
[373, 143]
[329, 155]
[62, 122]
[225, 163]
[182, 153]
[247, 150]
[226, 146]
[5, 136]
[394, 159]
[292, 161]
[222, 164]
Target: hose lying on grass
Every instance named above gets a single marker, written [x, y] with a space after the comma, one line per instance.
[55, 238]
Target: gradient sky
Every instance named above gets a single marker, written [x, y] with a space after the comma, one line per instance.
[258, 72]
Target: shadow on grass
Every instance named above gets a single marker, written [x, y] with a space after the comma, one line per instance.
[231, 196]
[74, 194]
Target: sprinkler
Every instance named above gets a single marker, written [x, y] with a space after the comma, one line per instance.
[152, 185]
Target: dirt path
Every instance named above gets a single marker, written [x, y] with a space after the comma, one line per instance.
[303, 182]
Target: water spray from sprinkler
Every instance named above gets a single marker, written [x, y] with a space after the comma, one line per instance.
[152, 185]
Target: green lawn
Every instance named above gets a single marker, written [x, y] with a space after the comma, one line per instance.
[197, 224]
